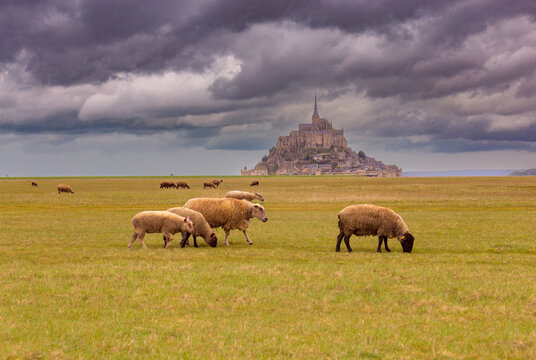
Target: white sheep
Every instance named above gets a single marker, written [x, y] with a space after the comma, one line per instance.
[159, 222]
[201, 226]
[244, 195]
[228, 213]
[362, 220]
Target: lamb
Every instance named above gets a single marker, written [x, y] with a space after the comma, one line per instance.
[159, 222]
[254, 183]
[65, 188]
[182, 184]
[167, 185]
[34, 183]
[201, 226]
[209, 184]
[217, 182]
[228, 213]
[364, 219]
[244, 195]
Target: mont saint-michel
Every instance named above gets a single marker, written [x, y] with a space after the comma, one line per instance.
[317, 148]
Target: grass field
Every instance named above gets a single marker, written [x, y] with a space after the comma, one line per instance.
[70, 288]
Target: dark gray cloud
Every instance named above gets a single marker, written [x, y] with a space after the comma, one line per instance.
[457, 76]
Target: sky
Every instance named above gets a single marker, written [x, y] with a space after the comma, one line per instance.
[116, 87]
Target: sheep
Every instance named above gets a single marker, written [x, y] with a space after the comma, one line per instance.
[244, 195]
[162, 222]
[65, 188]
[34, 183]
[217, 182]
[209, 184]
[167, 185]
[201, 226]
[182, 184]
[228, 213]
[254, 183]
[362, 220]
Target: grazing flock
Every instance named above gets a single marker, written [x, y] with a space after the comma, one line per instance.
[199, 216]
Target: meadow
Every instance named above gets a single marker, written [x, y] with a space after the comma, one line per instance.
[70, 288]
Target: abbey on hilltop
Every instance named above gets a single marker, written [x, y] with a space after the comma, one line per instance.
[319, 149]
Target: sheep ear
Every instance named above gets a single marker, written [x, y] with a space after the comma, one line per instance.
[186, 219]
[403, 238]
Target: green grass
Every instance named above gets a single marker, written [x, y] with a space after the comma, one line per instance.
[69, 288]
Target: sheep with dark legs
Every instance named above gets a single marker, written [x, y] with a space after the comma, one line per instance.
[228, 213]
[182, 185]
[167, 185]
[162, 222]
[363, 220]
[209, 185]
[201, 226]
[217, 182]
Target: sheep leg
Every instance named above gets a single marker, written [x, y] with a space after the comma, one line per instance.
[225, 242]
[339, 239]
[247, 237]
[165, 241]
[347, 242]
[184, 240]
[134, 236]
[140, 237]
[195, 241]
[385, 242]
[169, 239]
[380, 241]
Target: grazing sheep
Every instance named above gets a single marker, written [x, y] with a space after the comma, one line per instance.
[201, 226]
[228, 213]
[167, 185]
[244, 195]
[159, 222]
[65, 188]
[217, 182]
[254, 183]
[182, 184]
[209, 185]
[362, 220]
[34, 183]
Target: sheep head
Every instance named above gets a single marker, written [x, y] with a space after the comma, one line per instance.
[407, 242]
[260, 213]
[259, 196]
[213, 240]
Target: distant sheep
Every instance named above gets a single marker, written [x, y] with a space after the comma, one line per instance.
[217, 182]
[182, 184]
[362, 220]
[228, 213]
[244, 195]
[159, 222]
[209, 185]
[201, 226]
[65, 188]
[167, 185]
[254, 183]
[34, 183]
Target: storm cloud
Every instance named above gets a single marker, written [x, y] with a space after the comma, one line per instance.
[400, 77]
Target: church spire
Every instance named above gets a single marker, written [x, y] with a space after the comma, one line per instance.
[315, 112]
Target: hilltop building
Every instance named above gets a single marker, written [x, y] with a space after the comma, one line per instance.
[317, 148]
